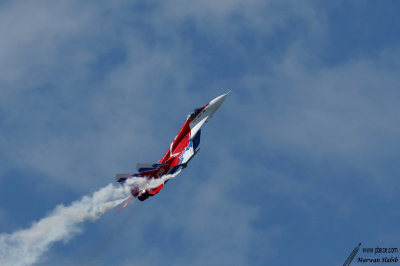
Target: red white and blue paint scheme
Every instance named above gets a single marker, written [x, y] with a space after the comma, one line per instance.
[182, 149]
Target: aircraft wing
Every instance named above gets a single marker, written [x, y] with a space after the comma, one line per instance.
[185, 151]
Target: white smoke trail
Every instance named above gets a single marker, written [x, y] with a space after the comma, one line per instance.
[24, 247]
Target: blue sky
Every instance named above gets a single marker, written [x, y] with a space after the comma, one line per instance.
[297, 166]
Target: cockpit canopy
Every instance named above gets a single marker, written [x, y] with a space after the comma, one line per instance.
[194, 113]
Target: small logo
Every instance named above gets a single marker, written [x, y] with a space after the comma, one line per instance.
[352, 255]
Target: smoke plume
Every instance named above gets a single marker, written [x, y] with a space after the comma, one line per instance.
[25, 247]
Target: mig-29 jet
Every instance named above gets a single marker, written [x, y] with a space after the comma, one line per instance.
[182, 149]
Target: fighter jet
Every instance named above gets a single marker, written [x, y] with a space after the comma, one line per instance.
[179, 153]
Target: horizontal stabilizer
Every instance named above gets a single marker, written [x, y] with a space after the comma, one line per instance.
[122, 177]
[144, 167]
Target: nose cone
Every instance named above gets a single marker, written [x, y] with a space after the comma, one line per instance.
[216, 103]
[208, 112]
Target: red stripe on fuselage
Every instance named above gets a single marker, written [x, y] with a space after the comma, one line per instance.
[156, 190]
[176, 147]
